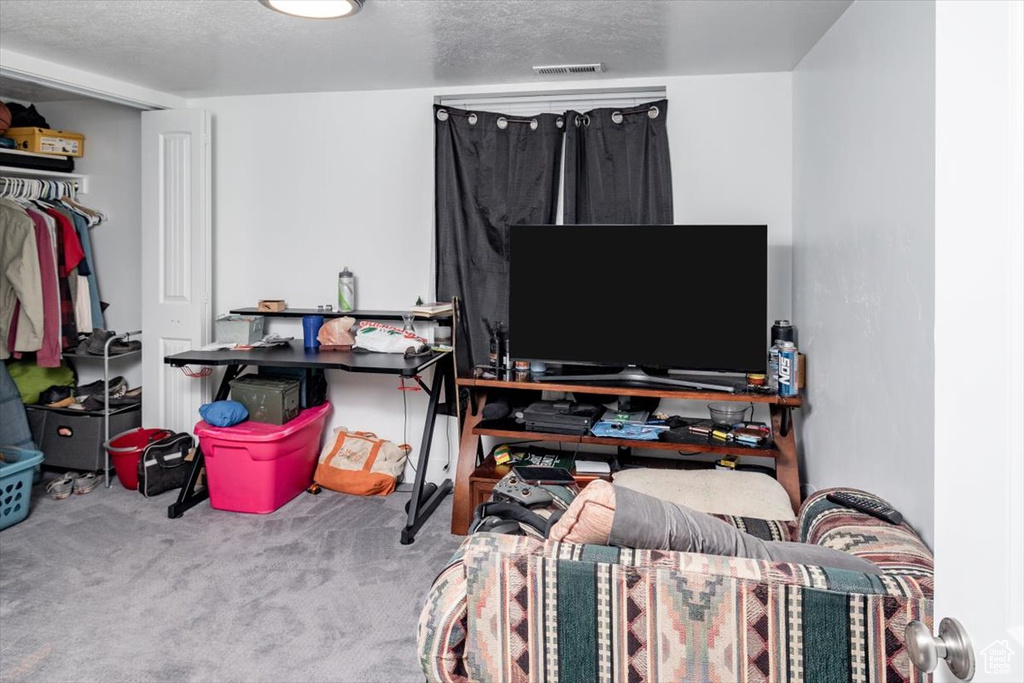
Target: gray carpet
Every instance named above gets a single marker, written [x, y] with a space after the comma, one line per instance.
[104, 587]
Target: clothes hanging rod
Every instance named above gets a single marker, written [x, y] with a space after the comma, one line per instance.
[16, 172]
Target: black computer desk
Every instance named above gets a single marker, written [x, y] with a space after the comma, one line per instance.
[293, 355]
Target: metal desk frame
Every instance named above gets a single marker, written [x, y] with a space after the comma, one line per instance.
[419, 509]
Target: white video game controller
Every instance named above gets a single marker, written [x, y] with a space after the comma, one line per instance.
[513, 488]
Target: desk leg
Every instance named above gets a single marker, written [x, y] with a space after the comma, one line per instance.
[787, 468]
[469, 445]
[188, 497]
[419, 509]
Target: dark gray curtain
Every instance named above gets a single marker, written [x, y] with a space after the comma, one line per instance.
[490, 171]
[617, 166]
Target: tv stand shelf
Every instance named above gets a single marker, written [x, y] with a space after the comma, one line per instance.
[509, 429]
[783, 449]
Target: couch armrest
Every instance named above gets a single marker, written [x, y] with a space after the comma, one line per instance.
[559, 611]
[896, 549]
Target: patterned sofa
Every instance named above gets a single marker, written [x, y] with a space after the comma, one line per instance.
[514, 608]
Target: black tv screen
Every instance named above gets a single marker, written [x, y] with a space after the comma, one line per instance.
[689, 297]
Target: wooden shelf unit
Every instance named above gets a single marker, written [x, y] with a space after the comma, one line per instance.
[782, 450]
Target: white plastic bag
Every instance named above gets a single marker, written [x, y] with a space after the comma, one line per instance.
[373, 336]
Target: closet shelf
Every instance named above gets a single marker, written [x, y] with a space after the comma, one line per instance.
[16, 172]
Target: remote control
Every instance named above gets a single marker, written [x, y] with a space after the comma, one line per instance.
[866, 504]
[513, 488]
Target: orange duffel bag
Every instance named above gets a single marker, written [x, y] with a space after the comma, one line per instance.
[360, 463]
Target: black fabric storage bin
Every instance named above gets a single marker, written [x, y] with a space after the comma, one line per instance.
[73, 438]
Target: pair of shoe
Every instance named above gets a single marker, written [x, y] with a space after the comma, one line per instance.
[117, 386]
[62, 487]
[96, 342]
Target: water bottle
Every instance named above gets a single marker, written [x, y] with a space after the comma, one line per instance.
[346, 290]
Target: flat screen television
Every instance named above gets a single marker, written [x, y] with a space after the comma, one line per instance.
[640, 298]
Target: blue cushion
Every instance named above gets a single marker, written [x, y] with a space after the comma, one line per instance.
[224, 413]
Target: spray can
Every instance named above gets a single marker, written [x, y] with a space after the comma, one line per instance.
[346, 290]
[788, 368]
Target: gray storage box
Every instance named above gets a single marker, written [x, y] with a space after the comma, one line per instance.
[239, 329]
[74, 439]
[274, 400]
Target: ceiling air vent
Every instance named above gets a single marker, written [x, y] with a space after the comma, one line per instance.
[556, 69]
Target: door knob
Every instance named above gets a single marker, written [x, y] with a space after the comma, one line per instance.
[952, 644]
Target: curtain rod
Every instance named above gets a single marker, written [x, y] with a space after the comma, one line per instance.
[617, 116]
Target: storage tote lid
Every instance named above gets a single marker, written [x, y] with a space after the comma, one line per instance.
[251, 431]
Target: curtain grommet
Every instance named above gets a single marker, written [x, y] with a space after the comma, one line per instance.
[586, 119]
[442, 114]
[653, 112]
[577, 121]
[559, 122]
[534, 124]
[616, 117]
[502, 122]
[472, 119]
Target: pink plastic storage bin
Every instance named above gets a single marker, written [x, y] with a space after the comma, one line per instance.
[258, 467]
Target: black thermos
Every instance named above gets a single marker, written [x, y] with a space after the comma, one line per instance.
[782, 330]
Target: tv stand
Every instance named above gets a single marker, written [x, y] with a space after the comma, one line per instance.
[474, 428]
[635, 375]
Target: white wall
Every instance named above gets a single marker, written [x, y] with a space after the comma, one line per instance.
[864, 253]
[306, 184]
[112, 161]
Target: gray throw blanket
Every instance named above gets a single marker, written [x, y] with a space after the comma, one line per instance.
[643, 521]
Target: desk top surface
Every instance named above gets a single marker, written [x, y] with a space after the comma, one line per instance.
[294, 355]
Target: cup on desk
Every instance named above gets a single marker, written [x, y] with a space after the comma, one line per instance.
[311, 325]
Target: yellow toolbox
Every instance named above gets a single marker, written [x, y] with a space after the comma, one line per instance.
[47, 141]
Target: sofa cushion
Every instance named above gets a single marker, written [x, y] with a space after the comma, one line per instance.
[742, 494]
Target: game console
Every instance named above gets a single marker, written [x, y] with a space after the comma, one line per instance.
[561, 417]
[511, 487]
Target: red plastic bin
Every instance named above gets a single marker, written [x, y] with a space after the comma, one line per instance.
[258, 467]
[126, 448]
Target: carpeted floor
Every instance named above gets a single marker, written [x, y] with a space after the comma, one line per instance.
[104, 587]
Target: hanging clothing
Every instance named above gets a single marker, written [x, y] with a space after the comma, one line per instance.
[48, 353]
[20, 279]
[95, 310]
[72, 253]
[83, 308]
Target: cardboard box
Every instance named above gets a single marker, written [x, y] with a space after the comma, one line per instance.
[48, 141]
[239, 329]
[271, 305]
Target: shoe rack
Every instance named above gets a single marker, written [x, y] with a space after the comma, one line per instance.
[124, 337]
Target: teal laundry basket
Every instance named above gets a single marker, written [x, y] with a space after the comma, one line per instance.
[16, 472]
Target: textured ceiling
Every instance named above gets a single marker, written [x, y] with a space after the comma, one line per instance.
[198, 48]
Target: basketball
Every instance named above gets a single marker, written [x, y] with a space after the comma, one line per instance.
[5, 118]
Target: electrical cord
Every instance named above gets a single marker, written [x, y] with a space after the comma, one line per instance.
[405, 423]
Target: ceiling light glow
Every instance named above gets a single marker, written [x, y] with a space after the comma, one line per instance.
[315, 9]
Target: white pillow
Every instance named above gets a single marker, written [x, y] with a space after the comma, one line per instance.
[743, 494]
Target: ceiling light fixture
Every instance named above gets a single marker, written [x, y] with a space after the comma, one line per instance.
[315, 9]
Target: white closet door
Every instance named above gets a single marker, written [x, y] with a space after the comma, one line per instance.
[176, 257]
